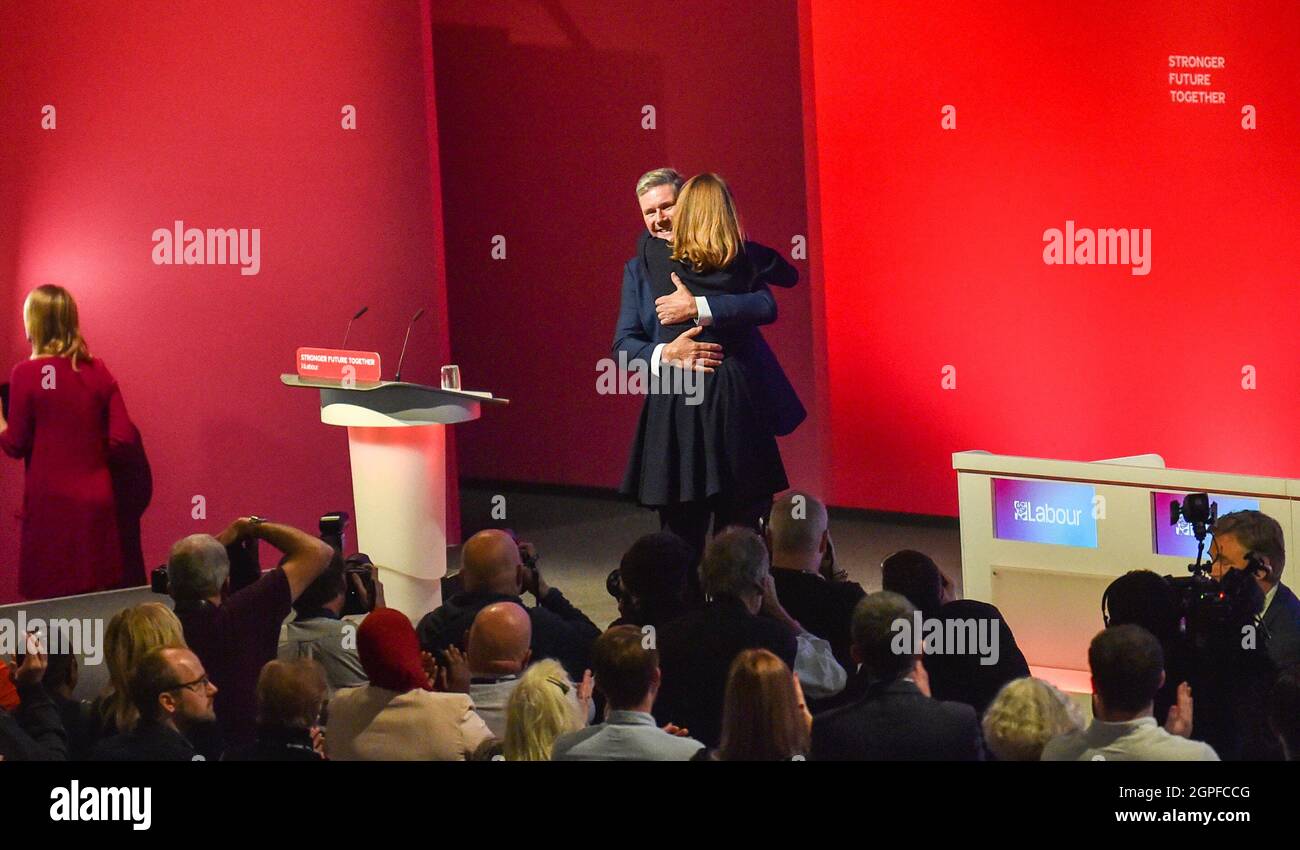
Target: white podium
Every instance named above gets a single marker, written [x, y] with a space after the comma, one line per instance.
[397, 444]
[1047, 570]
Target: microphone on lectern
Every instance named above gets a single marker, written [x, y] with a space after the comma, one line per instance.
[409, 325]
[358, 315]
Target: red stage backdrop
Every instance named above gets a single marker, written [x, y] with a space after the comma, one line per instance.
[221, 115]
[1037, 230]
[950, 139]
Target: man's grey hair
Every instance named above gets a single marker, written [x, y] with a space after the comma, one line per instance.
[1256, 532]
[734, 564]
[197, 567]
[659, 177]
[797, 523]
[873, 634]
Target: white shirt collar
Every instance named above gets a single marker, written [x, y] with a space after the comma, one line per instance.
[1268, 599]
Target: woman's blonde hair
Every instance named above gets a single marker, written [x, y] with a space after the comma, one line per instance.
[131, 634]
[1025, 715]
[540, 710]
[706, 230]
[53, 328]
[761, 717]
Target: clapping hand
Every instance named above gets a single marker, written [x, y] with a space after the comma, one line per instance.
[585, 689]
[1179, 719]
[318, 740]
[32, 670]
[453, 674]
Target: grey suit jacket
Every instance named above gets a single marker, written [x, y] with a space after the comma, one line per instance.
[1133, 740]
[624, 736]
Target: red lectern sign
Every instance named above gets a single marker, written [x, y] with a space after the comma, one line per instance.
[337, 364]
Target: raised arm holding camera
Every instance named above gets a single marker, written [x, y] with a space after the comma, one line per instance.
[235, 634]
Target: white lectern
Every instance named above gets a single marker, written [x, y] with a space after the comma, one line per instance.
[397, 442]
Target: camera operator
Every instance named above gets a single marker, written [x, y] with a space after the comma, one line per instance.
[1236, 535]
[318, 631]
[1251, 540]
[651, 582]
[495, 567]
[235, 634]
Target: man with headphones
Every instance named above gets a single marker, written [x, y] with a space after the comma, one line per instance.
[1237, 536]
[1251, 540]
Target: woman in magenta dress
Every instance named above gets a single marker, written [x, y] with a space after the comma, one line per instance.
[68, 423]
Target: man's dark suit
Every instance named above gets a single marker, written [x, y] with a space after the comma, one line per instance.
[1252, 738]
[1234, 684]
[638, 323]
[147, 742]
[1282, 623]
[560, 630]
[34, 732]
[896, 722]
[961, 677]
[695, 655]
[824, 608]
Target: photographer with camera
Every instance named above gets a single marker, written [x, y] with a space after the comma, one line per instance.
[235, 634]
[1240, 534]
[495, 567]
[1252, 653]
[807, 580]
[650, 582]
[318, 631]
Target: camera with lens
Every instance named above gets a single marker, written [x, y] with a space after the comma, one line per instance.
[158, 579]
[1225, 662]
[1213, 610]
[614, 585]
[356, 568]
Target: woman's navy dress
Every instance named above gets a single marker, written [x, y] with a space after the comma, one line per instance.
[721, 447]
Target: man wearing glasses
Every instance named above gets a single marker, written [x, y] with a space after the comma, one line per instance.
[172, 692]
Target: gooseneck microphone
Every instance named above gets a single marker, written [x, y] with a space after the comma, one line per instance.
[409, 325]
[358, 315]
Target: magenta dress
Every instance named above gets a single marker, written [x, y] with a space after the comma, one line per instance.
[67, 426]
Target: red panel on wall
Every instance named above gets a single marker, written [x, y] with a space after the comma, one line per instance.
[933, 239]
[222, 115]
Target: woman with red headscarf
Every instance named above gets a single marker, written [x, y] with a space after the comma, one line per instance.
[398, 716]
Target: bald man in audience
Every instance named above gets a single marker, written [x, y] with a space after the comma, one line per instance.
[492, 571]
[799, 538]
[500, 647]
